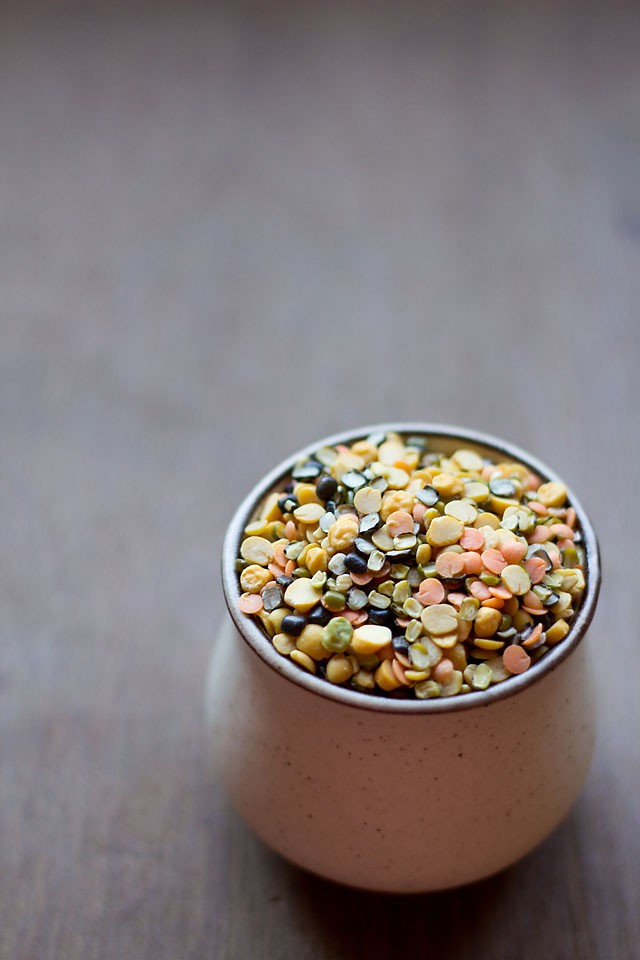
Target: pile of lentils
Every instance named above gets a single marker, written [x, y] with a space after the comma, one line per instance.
[403, 571]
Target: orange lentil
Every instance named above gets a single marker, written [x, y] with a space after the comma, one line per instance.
[500, 592]
[472, 562]
[290, 567]
[538, 508]
[456, 599]
[399, 522]
[384, 571]
[278, 555]
[571, 517]
[405, 661]
[386, 653]
[533, 481]
[449, 564]
[430, 591]
[563, 544]
[361, 579]
[472, 539]
[513, 551]
[250, 603]
[562, 531]
[276, 569]
[479, 590]
[533, 636]
[540, 535]
[418, 512]
[399, 673]
[532, 603]
[290, 530]
[515, 659]
[494, 561]
[403, 621]
[536, 568]
[496, 603]
[487, 471]
[442, 670]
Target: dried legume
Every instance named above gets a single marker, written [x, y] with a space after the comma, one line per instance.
[412, 573]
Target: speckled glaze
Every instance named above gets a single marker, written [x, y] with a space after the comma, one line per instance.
[401, 796]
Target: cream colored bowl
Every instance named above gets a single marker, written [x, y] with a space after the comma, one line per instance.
[399, 795]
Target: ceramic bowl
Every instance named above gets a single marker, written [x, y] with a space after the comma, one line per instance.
[399, 795]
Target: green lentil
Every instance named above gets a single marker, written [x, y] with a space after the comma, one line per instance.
[387, 588]
[413, 631]
[401, 592]
[469, 608]
[378, 600]
[412, 608]
[337, 634]
[427, 689]
[334, 601]
[481, 678]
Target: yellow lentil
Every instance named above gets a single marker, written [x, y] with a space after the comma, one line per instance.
[303, 660]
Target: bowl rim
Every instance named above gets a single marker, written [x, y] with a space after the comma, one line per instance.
[260, 645]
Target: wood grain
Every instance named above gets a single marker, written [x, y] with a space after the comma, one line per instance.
[227, 229]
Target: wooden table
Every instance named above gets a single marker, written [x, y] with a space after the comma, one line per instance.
[227, 230]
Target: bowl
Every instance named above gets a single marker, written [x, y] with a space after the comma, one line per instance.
[399, 795]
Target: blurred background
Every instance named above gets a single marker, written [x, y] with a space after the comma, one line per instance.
[228, 229]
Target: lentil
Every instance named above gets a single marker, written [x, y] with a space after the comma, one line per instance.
[477, 562]
[339, 669]
[336, 636]
[370, 639]
[310, 642]
[515, 659]
[303, 660]
[302, 595]
[443, 531]
[284, 644]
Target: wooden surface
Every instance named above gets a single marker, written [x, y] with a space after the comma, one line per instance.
[226, 231]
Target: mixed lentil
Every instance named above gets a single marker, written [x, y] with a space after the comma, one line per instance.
[400, 570]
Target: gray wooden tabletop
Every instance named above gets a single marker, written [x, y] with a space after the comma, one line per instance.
[228, 230]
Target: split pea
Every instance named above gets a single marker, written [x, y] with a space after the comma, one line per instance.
[444, 531]
[339, 670]
[254, 577]
[310, 642]
[302, 595]
[551, 494]
[462, 510]
[303, 660]
[367, 500]
[439, 619]
[257, 550]
[516, 579]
